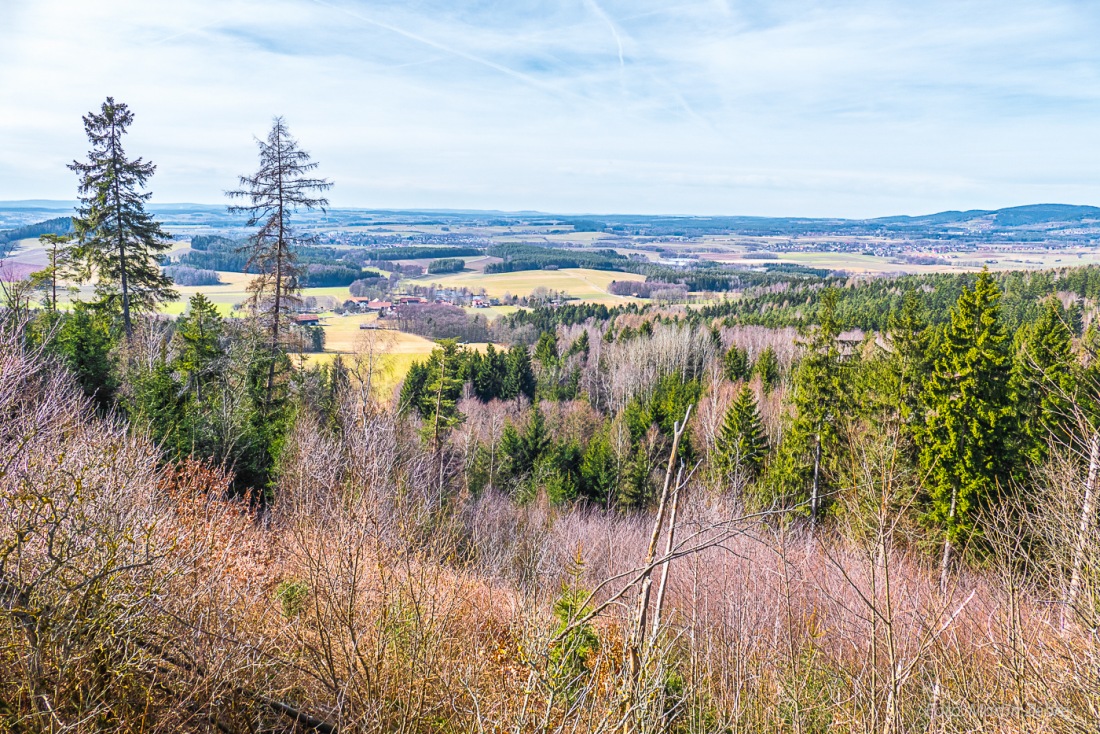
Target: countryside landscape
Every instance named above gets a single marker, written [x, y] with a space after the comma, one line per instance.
[335, 396]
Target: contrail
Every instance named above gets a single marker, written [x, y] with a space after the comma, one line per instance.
[599, 12]
[443, 47]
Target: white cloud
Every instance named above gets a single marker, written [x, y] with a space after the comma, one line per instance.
[795, 107]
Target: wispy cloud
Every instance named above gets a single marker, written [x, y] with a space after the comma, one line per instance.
[843, 107]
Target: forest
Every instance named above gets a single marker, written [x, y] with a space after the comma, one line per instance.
[826, 505]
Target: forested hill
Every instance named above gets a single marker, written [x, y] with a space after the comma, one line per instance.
[1026, 223]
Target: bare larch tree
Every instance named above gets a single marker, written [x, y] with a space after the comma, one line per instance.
[274, 193]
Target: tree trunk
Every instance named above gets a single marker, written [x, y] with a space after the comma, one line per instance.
[637, 639]
[945, 563]
[815, 496]
[1085, 525]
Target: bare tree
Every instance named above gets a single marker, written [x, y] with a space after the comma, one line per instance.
[274, 193]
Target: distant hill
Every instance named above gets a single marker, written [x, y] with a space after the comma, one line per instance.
[1033, 222]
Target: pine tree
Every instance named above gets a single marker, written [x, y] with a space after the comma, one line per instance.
[1044, 381]
[964, 448]
[274, 193]
[742, 444]
[117, 240]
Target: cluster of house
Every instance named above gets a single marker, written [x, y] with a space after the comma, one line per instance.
[382, 308]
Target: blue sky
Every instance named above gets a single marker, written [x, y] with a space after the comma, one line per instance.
[787, 107]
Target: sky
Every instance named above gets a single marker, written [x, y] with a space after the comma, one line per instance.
[847, 108]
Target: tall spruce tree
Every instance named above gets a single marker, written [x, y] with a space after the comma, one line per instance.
[1044, 380]
[118, 242]
[767, 368]
[742, 444]
[820, 395]
[965, 445]
[274, 193]
[909, 363]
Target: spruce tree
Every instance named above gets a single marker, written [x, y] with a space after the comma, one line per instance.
[742, 444]
[820, 401]
[767, 368]
[599, 469]
[274, 193]
[735, 365]
[1044, 382]
[964, 448]
[519, 378]
[117, 240]
[199, 334]
[909, 363]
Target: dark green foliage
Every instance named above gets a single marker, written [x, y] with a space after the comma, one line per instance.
[413, 389]
[423, 253]
[663, 407]
[60, 226]
[522, 452]
[117, 240]
[636, 490]
[767, 369]
[599, 469]
[199, 334]
[328, 275]
[84, 342]
[564, 482]
[907, 366]
[519, 378]
[446, 265]
[821, 402]
[735, 364]
[546, 350]
[1075, 319]
[742, 444]
[580, 345]
[966, 444]
[519, 256]
[1044, 382]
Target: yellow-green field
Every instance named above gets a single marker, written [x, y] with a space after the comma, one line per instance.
[582, 283]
